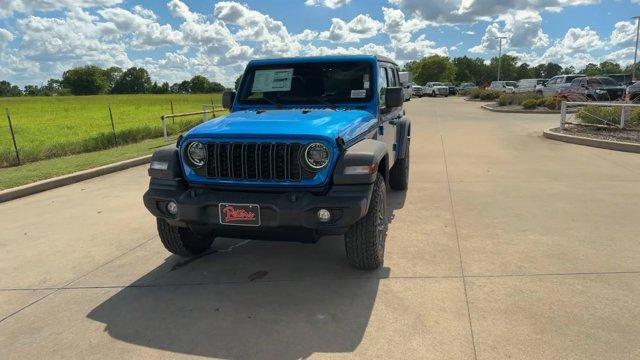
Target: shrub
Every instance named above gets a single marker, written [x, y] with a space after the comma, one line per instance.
[503, 100]
[489, 95]
[541, 102]
[552, 102]
[475, 94]
[600, 115]
[530, 104]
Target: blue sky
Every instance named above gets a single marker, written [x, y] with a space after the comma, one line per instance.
[177, 39]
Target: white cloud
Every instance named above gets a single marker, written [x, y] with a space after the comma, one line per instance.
[331, 4]
[306, 35]
[522, 29]
[624, 33]
[360, 27]
[575, 48]
[5, 36]
[147, 34]
[8, 7]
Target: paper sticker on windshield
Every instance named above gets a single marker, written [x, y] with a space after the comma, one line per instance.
[358, 94]
[272, 80]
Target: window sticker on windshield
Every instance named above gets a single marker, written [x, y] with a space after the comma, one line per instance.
[272, 80]
[365, 81]
[358, 94]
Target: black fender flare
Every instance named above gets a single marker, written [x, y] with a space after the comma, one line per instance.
[403, 134]
[368, 152]
[165, 165]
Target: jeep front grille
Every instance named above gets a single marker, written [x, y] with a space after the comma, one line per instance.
[254, 161]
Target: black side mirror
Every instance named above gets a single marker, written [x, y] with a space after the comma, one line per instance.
[227, 99]
[394, 97]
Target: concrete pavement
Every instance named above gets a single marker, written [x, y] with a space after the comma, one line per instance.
[506, 246]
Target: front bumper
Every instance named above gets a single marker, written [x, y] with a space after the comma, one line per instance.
[284, 216]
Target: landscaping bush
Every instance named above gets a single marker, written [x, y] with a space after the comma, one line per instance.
[552, 103]
[517, 99]
[503, 100]
[600, 115]
[489, 95]
[530, 104]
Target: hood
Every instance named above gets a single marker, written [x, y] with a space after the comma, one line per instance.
[287, 124]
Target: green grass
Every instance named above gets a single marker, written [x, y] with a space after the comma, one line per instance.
[50, 127]
[41, 170]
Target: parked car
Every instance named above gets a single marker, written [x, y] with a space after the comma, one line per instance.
[633, 92]
[407, 83]
[466, 86]
[503, 86]
[622, 79]
[284, 164]
[558, 84]
[530, 85]
[594, 88]
[435, 89]
[417, 90]
[452, 88]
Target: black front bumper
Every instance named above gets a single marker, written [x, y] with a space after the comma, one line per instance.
[284, 216]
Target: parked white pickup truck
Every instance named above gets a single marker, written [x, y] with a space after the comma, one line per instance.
[436, 88]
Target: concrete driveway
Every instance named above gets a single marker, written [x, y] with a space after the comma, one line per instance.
[506, 246]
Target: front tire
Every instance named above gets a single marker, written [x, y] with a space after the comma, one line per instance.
[365, 240]
[182, 241]
[399, 174]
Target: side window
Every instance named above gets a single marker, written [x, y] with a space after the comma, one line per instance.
[383, 84]
[393, 80]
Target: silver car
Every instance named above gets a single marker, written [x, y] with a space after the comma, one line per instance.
[436, 88]
[558, 84]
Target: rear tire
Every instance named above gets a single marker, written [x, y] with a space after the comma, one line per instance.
[365, 240]
[399, 173]
[182, 241]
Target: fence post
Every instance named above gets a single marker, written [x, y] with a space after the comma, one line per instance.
[13, 136]
[563, 114]
[113, 127]
[623, 116]
[174, 119]
[164, 127]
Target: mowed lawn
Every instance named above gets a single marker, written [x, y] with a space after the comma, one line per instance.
[49, 127]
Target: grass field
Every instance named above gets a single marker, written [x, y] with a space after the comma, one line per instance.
[51, 127]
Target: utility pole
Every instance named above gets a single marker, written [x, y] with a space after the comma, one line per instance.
[635, 55]
[500, 38]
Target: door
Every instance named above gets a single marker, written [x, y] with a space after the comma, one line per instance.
[388, 77]
[550, 88]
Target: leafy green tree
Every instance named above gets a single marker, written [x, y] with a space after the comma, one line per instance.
[470, 70]
[523, 71]
[551, 70]
[135, 80]
[113, 74]
[591, 70]
[216, 87]
[610, 67]
[508, 67]
[537, 72]
[86, 80]
[199, 84]
[31, 90]
[569, 70]
[434, 68]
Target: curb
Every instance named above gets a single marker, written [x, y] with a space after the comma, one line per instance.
[602, 144]
[487, 107]
[56, 182]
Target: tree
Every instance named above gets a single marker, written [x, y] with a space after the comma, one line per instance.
[470, 70]
[86, 80]
[508, 67]
[570, 70]
[113, 74]
[610, 67]
[31, 90]
[523, 72]
[199, 84]
[216, 87]
[551, 70]
[133, 81]
[591, 70]
[434, 68]
[537, 72]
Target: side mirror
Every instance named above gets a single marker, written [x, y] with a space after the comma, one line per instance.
[227, 99]
[394, 97]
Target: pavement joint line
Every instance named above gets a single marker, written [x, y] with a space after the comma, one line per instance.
[213, 283]
[74, 280]
[455, 227]
[614, 162]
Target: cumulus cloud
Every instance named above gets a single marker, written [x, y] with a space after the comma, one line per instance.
[522, 29]
[331, 4]
[360, 27]
[574, 48]
[9, 7]
[5, 36]
[624, 33]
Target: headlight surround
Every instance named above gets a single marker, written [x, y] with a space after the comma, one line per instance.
[196, 154]
[316, 156]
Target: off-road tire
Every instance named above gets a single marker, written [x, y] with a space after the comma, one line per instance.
[399, 173]
[364, 241]
[182, 241]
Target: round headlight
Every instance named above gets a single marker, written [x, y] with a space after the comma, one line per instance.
[197, 154]
[316, 156]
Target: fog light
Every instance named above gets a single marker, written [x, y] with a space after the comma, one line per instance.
[324, 215]
[172, 208]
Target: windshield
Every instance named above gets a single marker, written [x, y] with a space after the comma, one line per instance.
[322, 82]
[436, 84]
[607, 81]
[511, 83]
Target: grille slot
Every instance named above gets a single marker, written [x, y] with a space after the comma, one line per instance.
[255, 161]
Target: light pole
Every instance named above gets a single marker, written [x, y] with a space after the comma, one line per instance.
[635, 55]
[500, 38]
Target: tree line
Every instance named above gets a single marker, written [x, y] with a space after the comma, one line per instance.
[93, 80]
[481, 72]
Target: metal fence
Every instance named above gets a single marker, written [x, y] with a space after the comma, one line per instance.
[618, 114]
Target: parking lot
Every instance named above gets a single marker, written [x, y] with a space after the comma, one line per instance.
[506, 246]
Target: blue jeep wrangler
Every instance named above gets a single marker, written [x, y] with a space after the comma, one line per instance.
[308, 149]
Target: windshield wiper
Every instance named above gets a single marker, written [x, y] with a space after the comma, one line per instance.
[279, 105]
[320, 100]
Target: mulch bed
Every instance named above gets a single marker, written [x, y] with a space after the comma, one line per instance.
[609, 134]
